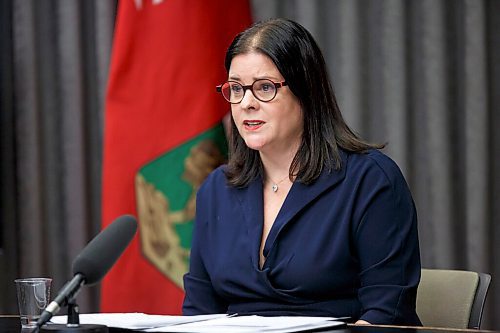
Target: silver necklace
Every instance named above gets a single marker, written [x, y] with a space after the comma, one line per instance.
[275, 184]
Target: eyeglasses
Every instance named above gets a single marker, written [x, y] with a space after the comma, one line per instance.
[264, 90]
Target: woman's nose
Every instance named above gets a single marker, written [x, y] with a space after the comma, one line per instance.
[249, 100]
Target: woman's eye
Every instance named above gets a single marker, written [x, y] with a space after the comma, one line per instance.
[266, 87]
[236, 89]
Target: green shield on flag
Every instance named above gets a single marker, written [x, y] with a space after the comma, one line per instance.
[166, 198]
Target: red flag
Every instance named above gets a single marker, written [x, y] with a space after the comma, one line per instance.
[160, 133]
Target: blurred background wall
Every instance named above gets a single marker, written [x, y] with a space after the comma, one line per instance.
[422, 75]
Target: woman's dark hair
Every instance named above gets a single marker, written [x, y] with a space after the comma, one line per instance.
[298, 58]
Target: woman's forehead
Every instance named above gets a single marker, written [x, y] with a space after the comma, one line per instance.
[253, 65]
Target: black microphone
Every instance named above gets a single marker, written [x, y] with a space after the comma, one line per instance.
[95, 260]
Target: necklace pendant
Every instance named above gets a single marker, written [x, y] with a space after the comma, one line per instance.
[275, 187]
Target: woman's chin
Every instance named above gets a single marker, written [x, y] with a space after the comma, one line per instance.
[252, 144]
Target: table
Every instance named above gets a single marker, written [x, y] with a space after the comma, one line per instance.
[11, 324]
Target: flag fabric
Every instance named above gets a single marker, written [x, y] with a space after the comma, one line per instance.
[162, 136]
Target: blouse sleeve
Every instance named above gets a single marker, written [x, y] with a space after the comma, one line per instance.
[386, 239]
[200, 296]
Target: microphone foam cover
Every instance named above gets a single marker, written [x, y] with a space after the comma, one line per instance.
[100, 254]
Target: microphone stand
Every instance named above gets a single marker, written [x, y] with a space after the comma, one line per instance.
[88, 268]
[73, 314]
[73, 325]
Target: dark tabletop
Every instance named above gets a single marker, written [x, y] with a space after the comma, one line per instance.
[11, 324]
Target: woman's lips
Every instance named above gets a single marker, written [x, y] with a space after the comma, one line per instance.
[253, 125]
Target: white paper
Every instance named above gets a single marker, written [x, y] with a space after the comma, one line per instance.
[218, 323]
[243, 324]
[135, 321]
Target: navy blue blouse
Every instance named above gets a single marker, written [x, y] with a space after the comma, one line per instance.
[346, 245]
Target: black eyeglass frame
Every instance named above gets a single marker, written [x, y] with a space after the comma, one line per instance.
[250, 86]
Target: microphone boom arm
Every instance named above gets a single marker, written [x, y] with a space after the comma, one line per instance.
[67, 293]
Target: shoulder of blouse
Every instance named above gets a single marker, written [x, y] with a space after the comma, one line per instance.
[377, 160]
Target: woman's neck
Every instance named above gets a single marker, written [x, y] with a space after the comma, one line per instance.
[277, 165]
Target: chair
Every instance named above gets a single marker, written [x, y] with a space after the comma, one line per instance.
[452, 298]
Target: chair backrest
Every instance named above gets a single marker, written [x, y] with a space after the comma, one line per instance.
[452, 298]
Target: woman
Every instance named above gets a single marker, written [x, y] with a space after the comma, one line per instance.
[306, 218]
